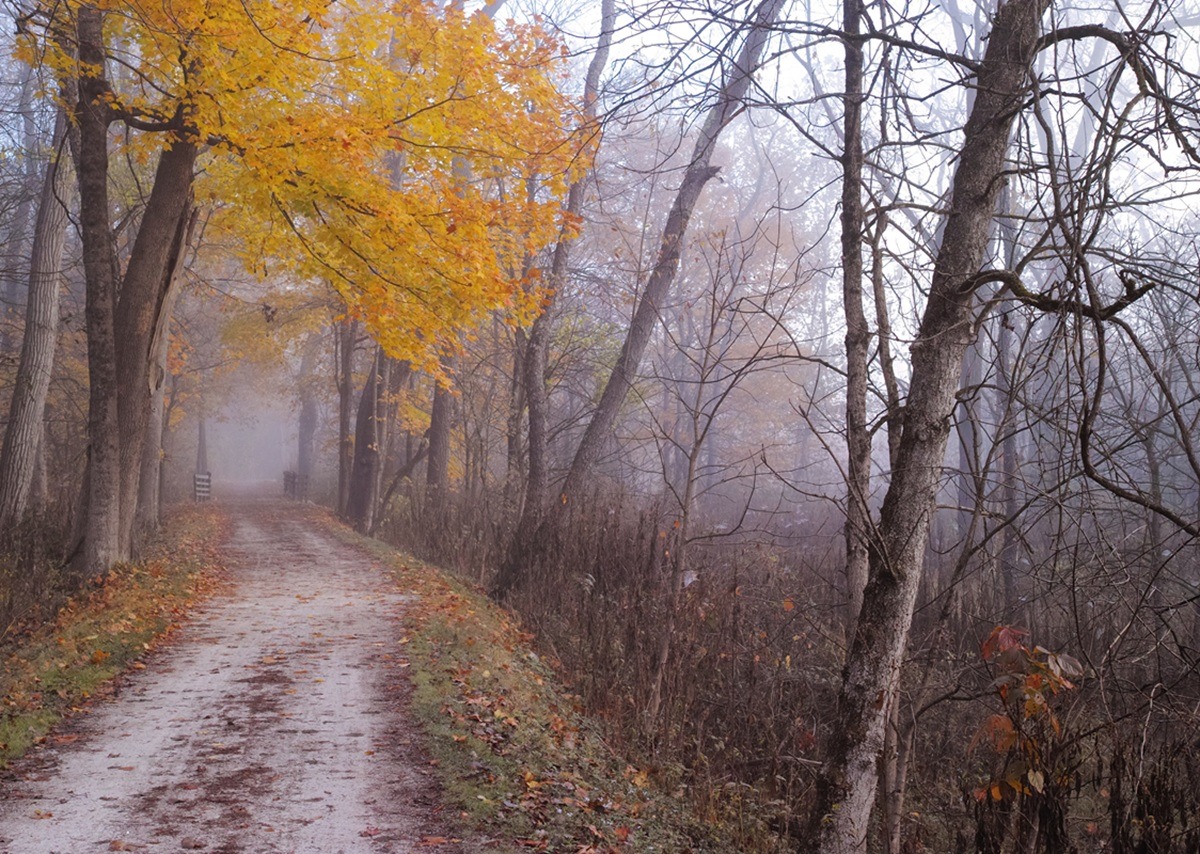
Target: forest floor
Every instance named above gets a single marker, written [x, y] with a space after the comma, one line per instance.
[275, 720]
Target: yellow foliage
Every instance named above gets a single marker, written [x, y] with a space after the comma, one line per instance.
[411, 155]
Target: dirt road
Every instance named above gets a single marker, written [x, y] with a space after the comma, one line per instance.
[274, 722]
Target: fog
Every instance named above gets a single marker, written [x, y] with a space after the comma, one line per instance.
[766, 364]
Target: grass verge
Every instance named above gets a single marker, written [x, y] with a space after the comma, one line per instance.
[517, 757]
[49, 671]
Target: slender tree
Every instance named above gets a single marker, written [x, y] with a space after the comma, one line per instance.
[847, 786]
[738, 78]
[23, 436]
[858, 334]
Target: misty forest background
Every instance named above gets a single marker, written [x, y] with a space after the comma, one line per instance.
[817, 382]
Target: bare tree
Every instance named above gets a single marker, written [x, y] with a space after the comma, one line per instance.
[739, 76]
[846, 793]
[532, 380]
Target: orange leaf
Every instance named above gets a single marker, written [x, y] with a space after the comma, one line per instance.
[1001, 640]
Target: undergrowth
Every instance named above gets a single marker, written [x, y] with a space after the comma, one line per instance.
[516, 755]
[49, 670]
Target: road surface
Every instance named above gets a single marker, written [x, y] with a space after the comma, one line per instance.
[273, 722]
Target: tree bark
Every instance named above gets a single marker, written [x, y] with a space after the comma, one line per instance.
[516, 475]
[23, 435]
[437, 467]
[347, 335]
[148, 514]
[360, 501]
[846, 788]
[1006, 403]
[18, 237]
[101, 524]
[306, 427]
[966, 488]
[120, 323]
[143, 307]
[149, 503]
[202, 441]
[395, 377]
[858, 334]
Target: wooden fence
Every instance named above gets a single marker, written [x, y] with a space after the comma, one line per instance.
[202, 486]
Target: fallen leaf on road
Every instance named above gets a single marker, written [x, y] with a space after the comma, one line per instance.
[120, 845]
[370, 831]
[189, 843]
[437, 840]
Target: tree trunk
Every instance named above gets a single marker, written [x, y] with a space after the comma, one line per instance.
[966, 489]
[360, 501]
[306, 431]
[347, 334]
[120, 323]
[143, 308]
[17, 239]
[679, 566]
[437, 469]
[858, 335]
[1009, 472]
[396, 377]
[39, 494]
[149, 504]
[202, 442]
[23, 435]
[894, 417]
[101, 524]
[1006, 419]
[148, 515]
[515, 470]
[170, 400]
[846, 788]
[891, 786]
[306, 427]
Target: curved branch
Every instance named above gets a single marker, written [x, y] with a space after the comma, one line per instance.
[1052, 305]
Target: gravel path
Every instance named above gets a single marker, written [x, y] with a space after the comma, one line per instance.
[274, 722]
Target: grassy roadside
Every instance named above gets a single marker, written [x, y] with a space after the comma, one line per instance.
[49, 671]
[516, 756]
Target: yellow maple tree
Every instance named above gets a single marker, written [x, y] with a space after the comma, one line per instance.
[411, 155]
